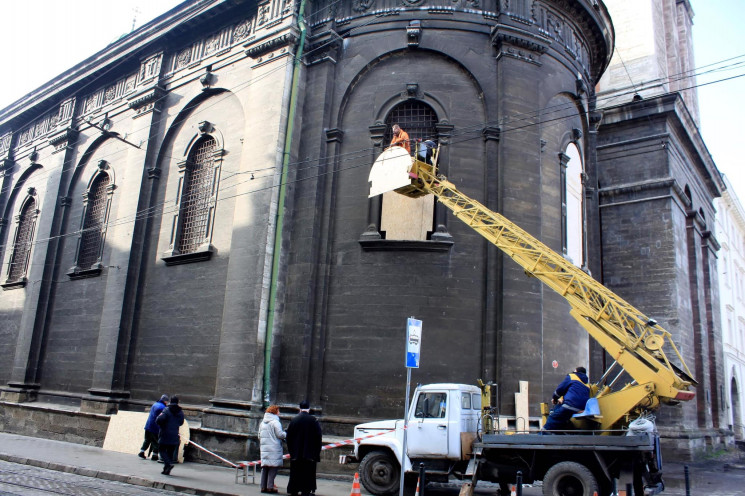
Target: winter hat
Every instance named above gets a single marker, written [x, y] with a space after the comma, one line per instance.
[164, 398]
[304, 405]
[174, 400]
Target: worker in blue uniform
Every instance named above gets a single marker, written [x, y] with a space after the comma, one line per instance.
[569, 397]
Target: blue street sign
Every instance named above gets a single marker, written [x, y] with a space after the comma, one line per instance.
[413, 342]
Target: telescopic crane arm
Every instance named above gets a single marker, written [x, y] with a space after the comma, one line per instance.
[635, 341]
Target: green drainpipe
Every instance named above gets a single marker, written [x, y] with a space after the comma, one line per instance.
[281, 203]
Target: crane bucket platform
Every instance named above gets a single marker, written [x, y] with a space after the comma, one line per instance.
[390, 171]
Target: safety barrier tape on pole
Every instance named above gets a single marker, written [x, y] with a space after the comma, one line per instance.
[189, 441]
[346, 442]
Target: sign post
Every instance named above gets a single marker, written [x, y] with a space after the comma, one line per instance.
[413, 347]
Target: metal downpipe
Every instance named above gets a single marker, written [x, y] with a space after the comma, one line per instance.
[281, 204]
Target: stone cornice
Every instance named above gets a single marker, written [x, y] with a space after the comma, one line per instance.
[145, 96]
[673, 105]
[65, 135]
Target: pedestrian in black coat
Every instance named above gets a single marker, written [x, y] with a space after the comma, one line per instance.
[304, 443]
[169, 421]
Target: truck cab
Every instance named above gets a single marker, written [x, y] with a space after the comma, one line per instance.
[442, 424]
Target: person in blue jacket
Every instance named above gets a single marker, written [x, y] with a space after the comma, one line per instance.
[152, 429]
[570, 397]
[169, 421]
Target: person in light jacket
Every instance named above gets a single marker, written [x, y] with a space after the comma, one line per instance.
[270, 437]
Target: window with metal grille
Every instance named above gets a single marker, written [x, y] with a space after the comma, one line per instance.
[196, 198]
[22, 244]
[95, 215]
[401, 218]
[415, 117]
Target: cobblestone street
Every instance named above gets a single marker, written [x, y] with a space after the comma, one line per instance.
[16, 479]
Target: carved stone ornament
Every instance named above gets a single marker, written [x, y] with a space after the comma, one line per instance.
[103, 165]
[31, 191]
[205, 127]
[207, 79]
[258, 50]
[242, 30]
[362, 5]
[150, 68]
[414, 33]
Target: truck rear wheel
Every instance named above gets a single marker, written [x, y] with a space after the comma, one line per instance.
[569, 479]
[380, 473]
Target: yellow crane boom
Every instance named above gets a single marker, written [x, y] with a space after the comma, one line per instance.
[635, 341]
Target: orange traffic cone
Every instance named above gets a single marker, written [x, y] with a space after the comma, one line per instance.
[417, 486]
[356, 485]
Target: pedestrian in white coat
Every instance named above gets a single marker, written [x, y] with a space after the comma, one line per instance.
[270, 437]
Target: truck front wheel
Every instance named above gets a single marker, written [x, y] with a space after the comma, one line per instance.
[569, 479]
[380, 473]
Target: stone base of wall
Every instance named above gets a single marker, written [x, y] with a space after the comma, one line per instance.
[53, 422]
[682, 446]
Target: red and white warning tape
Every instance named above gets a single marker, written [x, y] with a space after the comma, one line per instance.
[189, 441]
[346, 442]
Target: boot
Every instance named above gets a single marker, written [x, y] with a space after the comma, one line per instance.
[155, 457]
[141, 454]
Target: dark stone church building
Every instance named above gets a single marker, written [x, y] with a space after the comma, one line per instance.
[187, 212]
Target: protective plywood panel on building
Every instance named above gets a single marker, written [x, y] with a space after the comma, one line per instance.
[407, 218]
[126, 433]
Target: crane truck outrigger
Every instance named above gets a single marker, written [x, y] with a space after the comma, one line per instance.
[616, 437]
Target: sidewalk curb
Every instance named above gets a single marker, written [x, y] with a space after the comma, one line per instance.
[110, 476]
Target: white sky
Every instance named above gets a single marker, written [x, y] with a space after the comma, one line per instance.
[43, 38]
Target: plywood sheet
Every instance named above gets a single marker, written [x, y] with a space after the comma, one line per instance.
[126, 432]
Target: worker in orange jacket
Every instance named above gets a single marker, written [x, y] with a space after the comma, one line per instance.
[400, 138]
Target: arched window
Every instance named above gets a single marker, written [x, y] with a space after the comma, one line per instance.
[415, 117]
[22, 242]
[196, 197]
[573, 208]
[405, 218]
[94, 218]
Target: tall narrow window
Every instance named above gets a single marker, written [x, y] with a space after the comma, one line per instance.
[22, 243]
[405, 218]
[91, 241]
[196, 202]
[574, 219]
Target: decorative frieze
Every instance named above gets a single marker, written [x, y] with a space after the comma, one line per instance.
[150, 70]
[5, 141]
[108, 94]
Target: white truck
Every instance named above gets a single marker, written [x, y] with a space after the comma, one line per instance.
[443, 421]
[444, 433]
